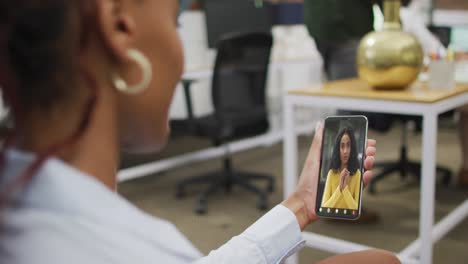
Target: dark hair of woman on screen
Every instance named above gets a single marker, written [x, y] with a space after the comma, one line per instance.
[343, 180]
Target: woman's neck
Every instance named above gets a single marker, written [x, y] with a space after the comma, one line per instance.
[344, 166]
[95, 153]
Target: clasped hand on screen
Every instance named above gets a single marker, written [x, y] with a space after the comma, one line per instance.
[344, 179]
[303, 201]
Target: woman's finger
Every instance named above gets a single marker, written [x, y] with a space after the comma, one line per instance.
[312, 162]
[315, 148]
[371, 142]
[369, 163]
[367, 177]
[370, 151]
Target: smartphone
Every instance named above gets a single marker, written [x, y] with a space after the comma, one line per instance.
[342, 167]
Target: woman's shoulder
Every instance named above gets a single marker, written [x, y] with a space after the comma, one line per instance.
[76, 239]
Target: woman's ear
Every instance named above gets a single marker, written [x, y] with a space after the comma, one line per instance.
[116, 27]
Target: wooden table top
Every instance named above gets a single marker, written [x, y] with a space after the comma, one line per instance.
[355, 88]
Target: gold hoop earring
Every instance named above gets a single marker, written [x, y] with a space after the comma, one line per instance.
[121, 85]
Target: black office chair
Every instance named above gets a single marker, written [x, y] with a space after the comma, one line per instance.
[403, 165]
[443, 33]
[240, 111]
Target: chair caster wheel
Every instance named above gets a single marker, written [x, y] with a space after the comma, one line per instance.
[200, 208]
[180, 193]
[271, 188]
[446, 179]
[262, 203]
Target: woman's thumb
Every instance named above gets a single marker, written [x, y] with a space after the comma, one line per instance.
[313, 157]
[318, 137]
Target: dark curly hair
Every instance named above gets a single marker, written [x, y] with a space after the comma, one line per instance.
[353, 163]
[41, 42]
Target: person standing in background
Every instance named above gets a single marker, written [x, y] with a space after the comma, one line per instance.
[414, 23]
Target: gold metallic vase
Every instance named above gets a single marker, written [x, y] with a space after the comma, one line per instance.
[391, 58]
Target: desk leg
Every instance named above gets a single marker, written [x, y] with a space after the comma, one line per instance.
[289, 156]
[428, 161]
[289, 149]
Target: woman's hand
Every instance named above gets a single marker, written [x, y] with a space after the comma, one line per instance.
[302, 201]
[344, 179]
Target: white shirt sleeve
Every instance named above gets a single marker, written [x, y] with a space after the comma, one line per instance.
[271, 239]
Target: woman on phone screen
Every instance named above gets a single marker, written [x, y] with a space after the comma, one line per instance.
[343, 184]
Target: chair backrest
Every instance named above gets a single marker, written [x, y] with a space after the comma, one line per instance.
[240, 72]
[442, 33]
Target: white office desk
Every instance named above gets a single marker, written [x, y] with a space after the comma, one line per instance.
[357, 95]
[198, 72]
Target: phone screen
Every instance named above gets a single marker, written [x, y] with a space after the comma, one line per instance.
[341, 167]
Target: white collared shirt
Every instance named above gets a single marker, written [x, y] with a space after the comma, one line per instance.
[66, 216]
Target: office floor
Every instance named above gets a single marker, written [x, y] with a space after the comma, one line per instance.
[397, 201]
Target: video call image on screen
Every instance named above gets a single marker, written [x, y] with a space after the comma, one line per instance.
[339, 190]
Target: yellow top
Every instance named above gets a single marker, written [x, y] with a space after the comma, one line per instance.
[355, 88]
[348, 198]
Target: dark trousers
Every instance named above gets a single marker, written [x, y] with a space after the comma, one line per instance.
[340, 63]
[339, 59]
